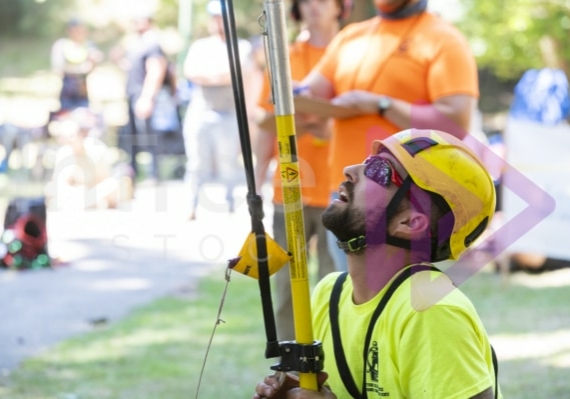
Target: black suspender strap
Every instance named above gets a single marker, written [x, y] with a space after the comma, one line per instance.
[342, 365]
[341, 362]
[496, 368]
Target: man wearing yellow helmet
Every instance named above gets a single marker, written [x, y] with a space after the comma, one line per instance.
[395, 326]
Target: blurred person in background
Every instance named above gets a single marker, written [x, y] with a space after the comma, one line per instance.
[405, 67]
[73, 57]
[84, 175]
[147, 70]
[210, 128]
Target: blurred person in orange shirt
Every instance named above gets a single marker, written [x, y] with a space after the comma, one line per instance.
[320, 22]
[403, 68]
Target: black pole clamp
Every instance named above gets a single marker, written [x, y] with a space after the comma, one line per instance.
[304, 358]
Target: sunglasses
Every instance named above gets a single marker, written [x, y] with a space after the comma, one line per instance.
[381, 171]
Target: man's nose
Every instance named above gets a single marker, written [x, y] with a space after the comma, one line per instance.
[352, 172]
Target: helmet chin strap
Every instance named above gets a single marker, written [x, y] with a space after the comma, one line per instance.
[357, 244]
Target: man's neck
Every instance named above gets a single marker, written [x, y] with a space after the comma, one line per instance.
[321, 37]
[371, 271]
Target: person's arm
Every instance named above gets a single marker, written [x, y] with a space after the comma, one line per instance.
[221, 79]
[316, 85]
[313, 125]
[252, 80]
[172, 79]
[450, 113]
[57, 59]
[264, 151]
[95, 57]
[155, 72]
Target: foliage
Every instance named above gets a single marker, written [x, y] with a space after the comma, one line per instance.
[511, 36]
[507, 36]
[30, 17]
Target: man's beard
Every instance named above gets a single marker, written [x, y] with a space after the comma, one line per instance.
[348, 222]
[345, 222]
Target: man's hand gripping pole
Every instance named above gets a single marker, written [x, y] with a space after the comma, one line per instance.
[304, 354]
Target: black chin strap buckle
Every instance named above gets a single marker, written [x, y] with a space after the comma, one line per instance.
[353, 245]
[304, 358]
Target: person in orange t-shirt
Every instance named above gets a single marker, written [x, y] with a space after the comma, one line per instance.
[403, 68]
[320, 22]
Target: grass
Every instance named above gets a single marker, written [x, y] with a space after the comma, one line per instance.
[529, 324]
[158, 350]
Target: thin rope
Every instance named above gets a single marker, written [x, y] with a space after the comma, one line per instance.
[218, 321]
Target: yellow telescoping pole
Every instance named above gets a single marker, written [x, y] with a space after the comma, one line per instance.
[280, 73]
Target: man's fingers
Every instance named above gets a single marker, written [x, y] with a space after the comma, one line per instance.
[270, 385]
[322, 376]
[264, 390]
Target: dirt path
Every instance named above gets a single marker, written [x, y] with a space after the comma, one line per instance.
[116, 260]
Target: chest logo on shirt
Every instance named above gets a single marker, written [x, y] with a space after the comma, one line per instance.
[372, 372]
[372, 362]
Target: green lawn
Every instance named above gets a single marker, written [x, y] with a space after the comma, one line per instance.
[529, 323]
[157, 351]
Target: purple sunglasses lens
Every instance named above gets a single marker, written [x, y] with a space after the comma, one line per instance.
[378, 170]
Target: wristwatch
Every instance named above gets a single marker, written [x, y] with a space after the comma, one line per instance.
[384, 104]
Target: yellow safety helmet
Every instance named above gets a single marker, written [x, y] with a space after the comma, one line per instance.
[440, 163]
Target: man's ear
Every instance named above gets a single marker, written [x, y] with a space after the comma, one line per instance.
[410, 225]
